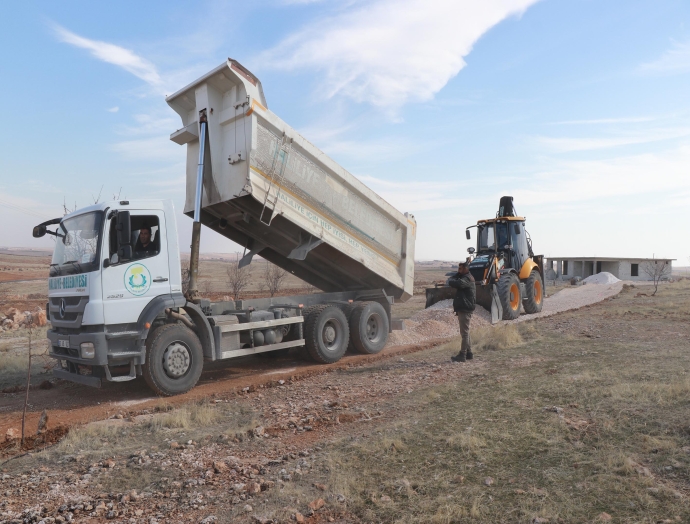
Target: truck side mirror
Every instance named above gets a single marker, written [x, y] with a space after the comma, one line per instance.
[123, 226]
[467, 234]
[39, 231]
[516, 228]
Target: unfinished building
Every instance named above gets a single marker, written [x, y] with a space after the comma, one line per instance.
[622, 268]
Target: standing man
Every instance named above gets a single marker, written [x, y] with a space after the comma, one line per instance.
[463, 305]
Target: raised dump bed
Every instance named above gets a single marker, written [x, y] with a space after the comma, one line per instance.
[270, 190]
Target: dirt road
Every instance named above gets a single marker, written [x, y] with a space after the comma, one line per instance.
[71, 404]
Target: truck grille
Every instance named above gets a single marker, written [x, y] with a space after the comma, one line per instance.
[67, 312]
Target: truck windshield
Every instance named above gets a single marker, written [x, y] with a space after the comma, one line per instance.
[77, 245]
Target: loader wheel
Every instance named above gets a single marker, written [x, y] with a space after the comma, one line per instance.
[535, 293]
[326, 334]
[369, 328]
[509, 295]
[174, 360]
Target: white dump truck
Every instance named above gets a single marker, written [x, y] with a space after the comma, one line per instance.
[116, 304]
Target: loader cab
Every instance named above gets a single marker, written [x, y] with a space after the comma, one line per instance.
[504, 236]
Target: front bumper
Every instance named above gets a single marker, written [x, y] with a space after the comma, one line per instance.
[112, 349]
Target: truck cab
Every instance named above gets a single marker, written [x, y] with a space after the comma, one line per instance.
[99, 300]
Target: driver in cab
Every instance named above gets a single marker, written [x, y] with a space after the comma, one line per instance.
[144, 246]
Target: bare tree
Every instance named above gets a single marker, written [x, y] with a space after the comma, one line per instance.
[273, 278]
[656, 270]
[238, 278]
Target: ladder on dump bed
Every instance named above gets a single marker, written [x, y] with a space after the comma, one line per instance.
[276, 175]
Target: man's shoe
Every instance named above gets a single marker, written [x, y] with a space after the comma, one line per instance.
[469, 355]
[458, 358]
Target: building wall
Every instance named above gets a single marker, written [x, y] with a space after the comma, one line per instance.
[620, 269]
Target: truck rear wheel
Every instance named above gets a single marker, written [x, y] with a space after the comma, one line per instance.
[174, 360]
[326, 334]
[534, 290]
[509, 295]
[369, 328]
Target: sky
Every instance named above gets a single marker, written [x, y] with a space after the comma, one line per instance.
[579, 109]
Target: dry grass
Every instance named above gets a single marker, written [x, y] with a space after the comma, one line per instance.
[194, 415]
[617, 443]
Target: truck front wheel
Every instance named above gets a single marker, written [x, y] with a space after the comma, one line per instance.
[326, 334]
[174, 360]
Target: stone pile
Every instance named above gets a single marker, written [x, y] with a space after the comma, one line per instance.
[14, 319]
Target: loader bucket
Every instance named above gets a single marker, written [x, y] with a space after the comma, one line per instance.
[436, 294]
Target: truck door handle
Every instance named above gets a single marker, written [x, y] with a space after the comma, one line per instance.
[160, 279]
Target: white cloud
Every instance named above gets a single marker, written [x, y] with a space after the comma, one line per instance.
[391, 52]
[624, 120]
[113, 109]
[591, 180]
[113, 54]
[155, 148]
[674, 60]
[564, 145]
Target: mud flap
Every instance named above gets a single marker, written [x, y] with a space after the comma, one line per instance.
[496, 308]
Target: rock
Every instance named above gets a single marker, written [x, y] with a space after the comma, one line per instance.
[385, 498]
[319, 503]
[208, 520]
[299, 517]
[488, 481]
[642, 470]
[219, 466]
[539, 520]
[16, 316]
[253, 488]
[110, 463]
[248, 508]
[320, 487]
[174, 445]
[604, 517]
[42, 422]
[39, 317]
[259, 431]
[458, 479]
[133, 495]
[12, 434]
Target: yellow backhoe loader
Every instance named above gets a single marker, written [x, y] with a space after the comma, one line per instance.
[508, 275]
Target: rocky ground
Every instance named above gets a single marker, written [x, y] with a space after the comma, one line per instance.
[290, 449]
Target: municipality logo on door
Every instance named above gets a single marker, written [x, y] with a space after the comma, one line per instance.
[137, 279]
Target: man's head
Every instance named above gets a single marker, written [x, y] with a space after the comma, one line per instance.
[463, 268]
[145, 235]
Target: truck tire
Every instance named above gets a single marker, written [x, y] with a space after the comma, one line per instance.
[534, 289]
[174, 360]
[347, 309]
[369, 328]
[326, 334]
[509, 295]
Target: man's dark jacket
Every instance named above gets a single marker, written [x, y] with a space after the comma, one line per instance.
[466, 294]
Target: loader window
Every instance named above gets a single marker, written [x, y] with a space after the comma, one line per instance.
[487, 238]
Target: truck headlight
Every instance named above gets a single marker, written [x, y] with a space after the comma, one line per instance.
[87, 350]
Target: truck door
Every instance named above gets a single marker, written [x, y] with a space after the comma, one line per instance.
[129, 286]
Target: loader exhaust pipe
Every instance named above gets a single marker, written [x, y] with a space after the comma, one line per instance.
[193, 290]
